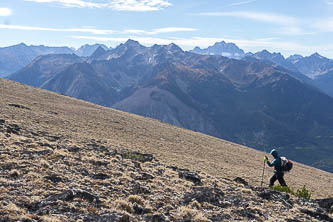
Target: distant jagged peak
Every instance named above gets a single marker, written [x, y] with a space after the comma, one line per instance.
[98, 52]
[133, 43]
[267, 54]
[221, 43]
[223, 48]
[87, 46]
[295, 58]
[225, 44]
[130, 44]
[318, 56]
[87, 50]
[196, 48]
[21, 45]
[173, 47]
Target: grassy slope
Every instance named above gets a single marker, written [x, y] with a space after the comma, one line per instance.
[174, 146]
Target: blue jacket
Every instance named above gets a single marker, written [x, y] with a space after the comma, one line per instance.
[276, 162]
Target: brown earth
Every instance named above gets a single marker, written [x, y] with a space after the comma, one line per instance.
[50, 144]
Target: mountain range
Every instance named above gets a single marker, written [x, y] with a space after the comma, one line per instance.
[248, 101]
[222, 48]
[315, 69]
[14, 58]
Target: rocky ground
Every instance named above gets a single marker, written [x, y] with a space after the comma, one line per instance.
[52, 178]
[66, 160]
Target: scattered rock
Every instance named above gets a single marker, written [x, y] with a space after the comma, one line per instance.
[241, 181]
[269, 194]
[45, 144]
[160, 172]
[174, 168]
[221, 217]
[114, 217]
[51, 112]
[19, 106]
[13, 128]
[325, 203]
[14, 174]
[54, 178]
[210, 195]
[157, 218]
[53, 138]
[273, 195]
[98, 163]
[139, 189]
[139, 210]
[68, 195]
[145, 176]
[247, 213]
[321, 216]
[137, 165]
[8, 166]
[191, 176]
[43, 152]
[138, 156]
[73, 149]
[84, 172]
[292, 220]
[100, 176]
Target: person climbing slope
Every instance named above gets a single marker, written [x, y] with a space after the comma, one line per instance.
[278, 173]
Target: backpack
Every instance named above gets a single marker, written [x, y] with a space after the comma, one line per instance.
[286, 165]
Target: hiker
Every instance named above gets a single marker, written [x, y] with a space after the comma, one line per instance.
[278, 173]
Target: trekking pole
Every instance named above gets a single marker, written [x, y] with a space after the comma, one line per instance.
[263, 172]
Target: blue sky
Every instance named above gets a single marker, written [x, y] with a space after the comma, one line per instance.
[286, 26]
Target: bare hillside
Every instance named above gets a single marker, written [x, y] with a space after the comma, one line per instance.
[65, 159]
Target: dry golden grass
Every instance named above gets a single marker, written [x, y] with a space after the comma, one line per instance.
[50, 219]
[123, 205]
[136, 199]
[71, 140]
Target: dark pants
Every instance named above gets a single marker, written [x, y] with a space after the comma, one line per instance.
[277, 176]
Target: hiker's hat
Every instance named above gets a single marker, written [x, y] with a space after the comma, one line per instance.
[273, 152]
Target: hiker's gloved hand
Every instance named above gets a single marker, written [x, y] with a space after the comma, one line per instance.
[266, 159]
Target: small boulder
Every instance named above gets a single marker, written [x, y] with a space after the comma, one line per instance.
[326, 204]
[19, 106]
[145, 176]
[210, 195]
[191, 176]
[54, 178]
[14, 174]
[114, 216]
[73, 149]
[99, 163]
[67, 195]
[43, 152]
[241, 181]
[138, 156]
[317, 215]
[157, 218]
[13, 129]
[139, 189]
[140, 210]
[100, 176]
